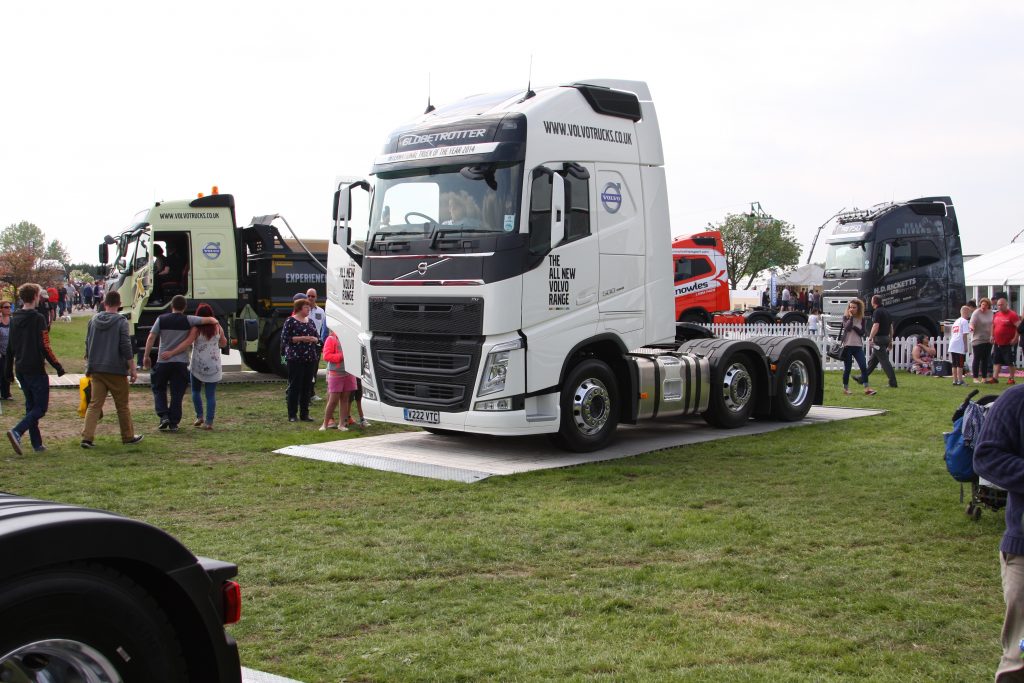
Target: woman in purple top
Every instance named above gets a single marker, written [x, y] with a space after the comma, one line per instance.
[301, 346]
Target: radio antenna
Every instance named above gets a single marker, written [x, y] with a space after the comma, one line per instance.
[430, 107]
[529, 82]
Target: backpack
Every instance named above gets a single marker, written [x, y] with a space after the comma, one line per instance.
[967, 422]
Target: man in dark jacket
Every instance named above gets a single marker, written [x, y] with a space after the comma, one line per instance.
[881, 335]
[28, 348]
[999, 458]
[110, 366]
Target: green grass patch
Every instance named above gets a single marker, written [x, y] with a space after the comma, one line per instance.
[825, 552]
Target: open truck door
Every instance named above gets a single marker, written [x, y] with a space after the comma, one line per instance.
[346, 307]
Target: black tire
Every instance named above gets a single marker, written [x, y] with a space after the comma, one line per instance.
[733, 392]
[760, 319]
[273, 358]
[796, 384]
[589, 407]
[976, 515]
[693, 317]
[913, 331]
[794, 317]
[86, 615]
[254, 361]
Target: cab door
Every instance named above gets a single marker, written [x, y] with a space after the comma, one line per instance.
[560, 294]
[346, 308]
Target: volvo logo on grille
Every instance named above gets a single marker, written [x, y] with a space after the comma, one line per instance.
[421, 267]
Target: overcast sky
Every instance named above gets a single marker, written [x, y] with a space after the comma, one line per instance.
[805, 107]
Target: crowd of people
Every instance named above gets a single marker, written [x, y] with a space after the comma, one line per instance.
[182, 351]
[990, 336]
[797, 299]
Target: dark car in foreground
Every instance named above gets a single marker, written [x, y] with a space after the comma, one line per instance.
[87, 595]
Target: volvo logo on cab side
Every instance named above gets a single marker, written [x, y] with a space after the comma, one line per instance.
[611, 197]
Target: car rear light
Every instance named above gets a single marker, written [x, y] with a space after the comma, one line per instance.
[231, 594]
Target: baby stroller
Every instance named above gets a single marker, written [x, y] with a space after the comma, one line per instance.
[967, 422]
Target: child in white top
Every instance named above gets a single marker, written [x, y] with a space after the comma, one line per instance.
[958, 344]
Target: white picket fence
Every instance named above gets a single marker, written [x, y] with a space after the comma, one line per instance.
[900, 353]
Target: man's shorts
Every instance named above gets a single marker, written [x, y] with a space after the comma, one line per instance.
[1004, 355]
[958, 359]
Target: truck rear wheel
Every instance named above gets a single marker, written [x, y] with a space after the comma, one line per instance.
[85, 623]
[733, 392]
[274, 362]
[254, 361]
[795, 386]
[589, 407]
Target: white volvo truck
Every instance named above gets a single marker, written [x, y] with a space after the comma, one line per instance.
[515, 277]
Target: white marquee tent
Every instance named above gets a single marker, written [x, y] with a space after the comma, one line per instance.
[1001, 270]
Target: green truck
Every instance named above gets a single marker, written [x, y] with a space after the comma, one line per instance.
[195, 248]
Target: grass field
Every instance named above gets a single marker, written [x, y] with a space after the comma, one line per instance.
[827, 552]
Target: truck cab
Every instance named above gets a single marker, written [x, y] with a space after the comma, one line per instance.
[193, 248]
[516, 258]
[908, 253]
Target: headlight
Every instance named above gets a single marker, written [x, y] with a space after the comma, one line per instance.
[496, 368]
[494, 404]
[364, 361]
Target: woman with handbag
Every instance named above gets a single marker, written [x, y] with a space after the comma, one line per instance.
[852, 336]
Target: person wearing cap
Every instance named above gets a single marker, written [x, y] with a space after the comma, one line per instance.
[110, 366]
[319, 318]
[43, 305]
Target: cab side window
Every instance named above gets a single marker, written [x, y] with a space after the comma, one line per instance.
[688, 268]
[540, 211]
[577, 203]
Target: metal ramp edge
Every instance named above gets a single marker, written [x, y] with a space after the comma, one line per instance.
[385, 464]
[472, 458]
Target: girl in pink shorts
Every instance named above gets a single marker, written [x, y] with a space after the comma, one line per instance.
[340, 385]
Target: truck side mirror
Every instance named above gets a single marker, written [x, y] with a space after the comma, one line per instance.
[342, 215]
[104, 254]
[557, 209]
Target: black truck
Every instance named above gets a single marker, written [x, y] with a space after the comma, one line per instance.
[194, 248]
[908, 253]
[87, 595]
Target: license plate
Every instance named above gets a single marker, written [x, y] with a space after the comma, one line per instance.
[430, 417]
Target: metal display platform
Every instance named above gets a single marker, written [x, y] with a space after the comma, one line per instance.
[470, 458]
[254, 676]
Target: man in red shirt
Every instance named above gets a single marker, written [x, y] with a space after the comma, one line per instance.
[1004, 336]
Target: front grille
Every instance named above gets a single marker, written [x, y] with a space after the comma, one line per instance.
[429, 363]
[436, 395]
[451, 316]
[429, 372]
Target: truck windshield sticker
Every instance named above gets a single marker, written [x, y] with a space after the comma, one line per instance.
[212, 250]
[559, 279]
[611, 197]
[576, 130]
[188, 215]
[437, 152]
[445, 137]
[510, 222]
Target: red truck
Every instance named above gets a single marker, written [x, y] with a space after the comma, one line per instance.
[702, 285]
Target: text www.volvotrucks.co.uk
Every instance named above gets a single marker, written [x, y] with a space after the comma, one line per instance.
[587, 132]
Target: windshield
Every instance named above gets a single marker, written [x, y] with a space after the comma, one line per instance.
[448, 200]
[847, 256]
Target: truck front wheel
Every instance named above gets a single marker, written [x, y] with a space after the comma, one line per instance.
[589, 407]
[85, 623]
[733, 392]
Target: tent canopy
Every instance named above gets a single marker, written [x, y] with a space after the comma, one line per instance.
[810, 275]
[1004, 266]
